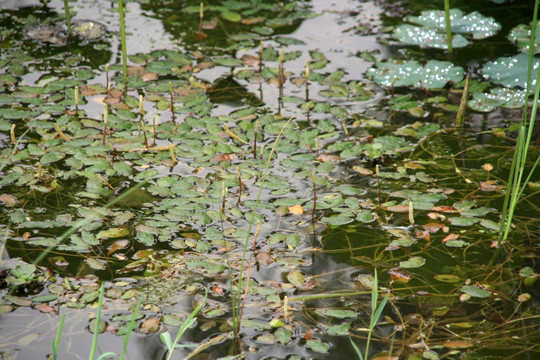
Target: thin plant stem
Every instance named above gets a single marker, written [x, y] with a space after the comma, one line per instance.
[98, 319]
[448, 25]
[68, 16]
[131, 326]
[123, 37]
[56, 341]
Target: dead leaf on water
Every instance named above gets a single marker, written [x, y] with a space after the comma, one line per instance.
[296, 209]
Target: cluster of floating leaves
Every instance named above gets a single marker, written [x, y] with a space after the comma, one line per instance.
[433, 75]
[429, 30]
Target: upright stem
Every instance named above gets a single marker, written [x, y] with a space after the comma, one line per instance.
[123, 36]
[448, 25]
[68, 16]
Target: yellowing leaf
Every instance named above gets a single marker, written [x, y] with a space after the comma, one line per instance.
[296, 209]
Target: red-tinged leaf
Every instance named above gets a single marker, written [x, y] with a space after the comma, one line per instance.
[117, 245]
[324, 158]
[149, 76]
[399, 276]
[224, 157]
[423, 235]
[8, 200]
[44, 308]
[450, 237]
[491, 185]
[444, 209]
[433, 227]
[397, 208]
[4, 309]
[217, 290]
[150, 326]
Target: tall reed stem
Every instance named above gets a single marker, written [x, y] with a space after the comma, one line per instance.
[448, 25]
[123, 36]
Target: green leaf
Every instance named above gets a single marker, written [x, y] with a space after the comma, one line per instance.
[296, 278]
[463, 221]
[412, 262]
[339, 330]
[317, 346]
[511, 71]
[231, 16]
[51, 157]
[434, 75]
[340, 314]
[475, 291]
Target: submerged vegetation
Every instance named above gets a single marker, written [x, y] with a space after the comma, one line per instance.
[244, 187]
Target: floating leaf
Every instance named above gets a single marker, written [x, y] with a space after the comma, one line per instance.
[412, 262]
[296, 278]
[475, 291]
[448, 278]
[339, 330]
[426, 37]
[113, 233]
[340, 314]
[435, 74]
[51, 157]
[473, 23]
[503, 97]
[511, 71]
[521, 35]
[317, 346]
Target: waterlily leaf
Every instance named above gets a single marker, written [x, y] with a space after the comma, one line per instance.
[521, 36]
[340, 314]
[426, 37]
[473, 23]
[283, 335]
[113, 233]
[337, 220]
[317, 346]
[296, 278]
[504, 97]
[227, 61]
[447, 278]
[412, 262]
[339, 330]
[475, 291]
[511, 71]
[51, 157]
[434, 75]
[463, 221]
[231, 16]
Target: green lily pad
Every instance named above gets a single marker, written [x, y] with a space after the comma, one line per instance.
[511, 71]
[474, 23]
[503, 97]
[475, 291]
[317, 346]
[426, 37]
[340, 314]
[434, 75]
[412, 262]
[521, 36]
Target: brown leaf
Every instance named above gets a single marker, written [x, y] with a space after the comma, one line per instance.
[149, 76]
[458, 344]
[117, 245]
[397, 208]
[444, 209]
[224, 157]
[324, 158]
[491, 185]
[296, 209]
[250, 60]
[362, 170]
[135, 70]
[399, 276]
[8, 200]
[434, 215]
[44, 308]
[150, 326]
[432, 227]
[264, 258]
[253, 20]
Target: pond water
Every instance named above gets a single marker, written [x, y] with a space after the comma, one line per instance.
[224, 157]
